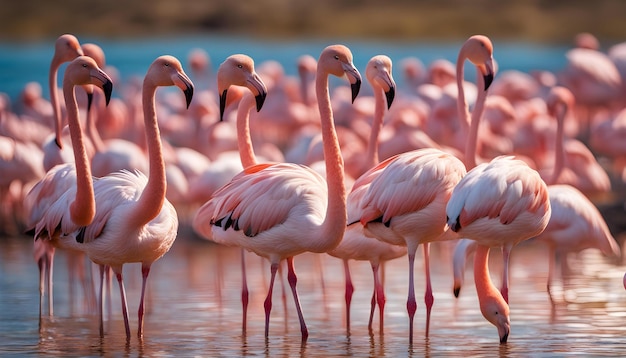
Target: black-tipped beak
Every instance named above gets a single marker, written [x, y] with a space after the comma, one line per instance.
[456, 291]
[260, 99]
[391, 94]
[223, 104]
[188, 94]
[356, 87]
[107, 87]
[57, 141]
[504, 338]
[89, 101]
[488, 79]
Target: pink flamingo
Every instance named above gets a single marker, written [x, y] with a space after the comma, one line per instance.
[238, 70]
[281, 210]
[405, 196]
[355, 245]
[574, 163]
[575, 225]
[499, 203]
[134, 221]
[66, 187]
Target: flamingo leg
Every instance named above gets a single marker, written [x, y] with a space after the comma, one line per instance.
[293, 280]
[428, 295]
[551, 260]
[101, 306]
[49, 269]
[120, 281]
[41, 264]
[145, 271]
[349, 292]
[268, 300]
[411, 303]
[244, 293]
[379, 290]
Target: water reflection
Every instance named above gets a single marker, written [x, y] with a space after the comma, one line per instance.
[194, 308]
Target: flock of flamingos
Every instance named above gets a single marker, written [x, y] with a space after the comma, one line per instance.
[359, 178]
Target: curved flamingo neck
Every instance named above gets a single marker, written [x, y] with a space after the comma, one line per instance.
[54, 99]
[485, 288]
[471, 145]
[336, 216]
[152, 198]
[92, 131]
[371, 158]
[83, 208]
[244, 141]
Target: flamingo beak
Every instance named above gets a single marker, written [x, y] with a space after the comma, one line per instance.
[391, 94]
[223, 104]
[107, 87]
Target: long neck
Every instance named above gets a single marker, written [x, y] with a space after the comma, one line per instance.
[461, 103]
[559, 150]
[54, 99]
[92, 131]
[484, 286]
[471, 146]
[336, 216]
[153, 196]
[244, 142]
[371, 158]
[83, 208]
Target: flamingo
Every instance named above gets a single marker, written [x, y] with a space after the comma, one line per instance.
[238, 70]
[355, 245]
[66, 187]
[134, 221]
[574, 163]
[281, 210]
[498, 203]
[575, 225]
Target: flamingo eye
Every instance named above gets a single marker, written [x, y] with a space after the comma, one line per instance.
[336, 57]
[240, 66]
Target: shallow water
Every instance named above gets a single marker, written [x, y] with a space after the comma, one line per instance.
[194, 308]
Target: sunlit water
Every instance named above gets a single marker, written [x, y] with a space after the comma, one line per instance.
[194, 308]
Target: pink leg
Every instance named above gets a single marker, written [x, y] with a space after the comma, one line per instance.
[41, 264]
[244, 292]
[49, 269]
[268, 299]
[349, 292]
[428, 296]
[379, 292]
[551, 258]
[506, 254]
[411, 303]
[283, 294]
[145, 271]
[101, 306]
[293, 280]
[123, 297]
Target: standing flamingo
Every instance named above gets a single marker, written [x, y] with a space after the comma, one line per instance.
[355, 245]
[134, 221]
[499, 203]
[238, 70]
[63, 200]
[281, 210]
